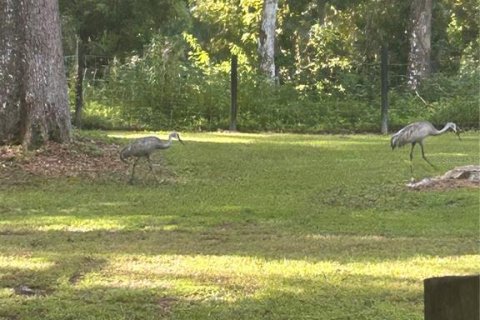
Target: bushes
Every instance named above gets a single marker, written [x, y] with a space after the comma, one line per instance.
[464, 111]
[455, 99]
[99, 116]
[440, 99]
[163, 90]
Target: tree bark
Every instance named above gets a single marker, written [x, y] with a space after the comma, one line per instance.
[33, 95]
[267, 38]
[321, 5]
[420, 37]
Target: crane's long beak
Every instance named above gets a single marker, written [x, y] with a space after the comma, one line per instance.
[181, 141]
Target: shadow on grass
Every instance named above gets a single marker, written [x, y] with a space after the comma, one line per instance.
[97, 302]
[73, 266]
[334, 296]
[74, 256]
[365, 297]
[250, 240]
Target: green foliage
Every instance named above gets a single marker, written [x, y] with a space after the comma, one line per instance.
[105, 117]
[460, 110]
[119, 28]
[406, 108]
[255, 226]
[454, 98]
[283, 109]
[145, 84]
[154, 94]
[327, 61]
[226, 27]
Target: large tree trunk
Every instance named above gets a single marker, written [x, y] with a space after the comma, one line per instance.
[33, 92]
[267, 38]
[419, 56]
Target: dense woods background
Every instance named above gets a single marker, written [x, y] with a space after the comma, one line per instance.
[165, 64]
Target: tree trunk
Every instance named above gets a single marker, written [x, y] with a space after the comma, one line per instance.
[33, 95]
[302, 38]
[419, 56]
[267, 38]
[321, 5]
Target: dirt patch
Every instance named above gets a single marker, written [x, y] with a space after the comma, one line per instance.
[459, 177]
[85, 266]
[24, 290]
[166, 304]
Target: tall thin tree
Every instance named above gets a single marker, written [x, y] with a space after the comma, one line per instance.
[266, 46]
[420, 42]
[33, 95]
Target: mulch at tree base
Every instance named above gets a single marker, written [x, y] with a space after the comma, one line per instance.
[83, 157]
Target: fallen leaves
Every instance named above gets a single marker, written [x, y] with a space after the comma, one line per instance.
[83, 157]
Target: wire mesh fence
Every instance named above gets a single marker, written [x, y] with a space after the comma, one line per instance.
[196, 101]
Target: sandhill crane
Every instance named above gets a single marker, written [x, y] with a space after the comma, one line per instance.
[415, 133]
[144, 147]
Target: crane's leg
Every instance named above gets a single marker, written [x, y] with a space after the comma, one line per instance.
[151, 168]
[133, 170]
[423, 155]
[411, 158]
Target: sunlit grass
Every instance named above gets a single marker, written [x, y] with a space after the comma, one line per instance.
[255, 226]
[29, 263]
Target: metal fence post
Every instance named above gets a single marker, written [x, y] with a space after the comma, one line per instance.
[233, 93]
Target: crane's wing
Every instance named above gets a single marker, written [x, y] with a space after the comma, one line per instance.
[405, 135]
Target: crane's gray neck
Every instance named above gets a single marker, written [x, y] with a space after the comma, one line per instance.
[437, 132]
[169, 142]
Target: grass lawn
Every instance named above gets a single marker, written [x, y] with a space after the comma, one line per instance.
[253, 226]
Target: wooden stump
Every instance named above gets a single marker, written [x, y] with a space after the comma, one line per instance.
[452, 298]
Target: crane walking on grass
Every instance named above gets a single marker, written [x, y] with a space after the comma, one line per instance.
[144, 147]
[415, 133]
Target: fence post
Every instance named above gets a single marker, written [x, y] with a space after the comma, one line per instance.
[233, 93]
[80, 70]
[452, 298]
[384, 77]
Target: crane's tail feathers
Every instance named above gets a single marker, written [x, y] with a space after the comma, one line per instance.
[393, 142]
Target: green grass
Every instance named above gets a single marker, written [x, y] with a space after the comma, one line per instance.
[255, 226]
